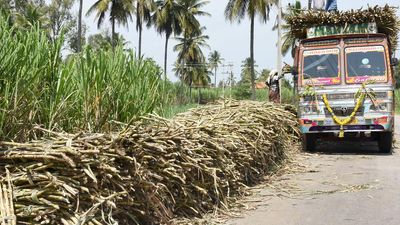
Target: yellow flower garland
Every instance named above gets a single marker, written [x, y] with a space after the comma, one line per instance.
[347, 120]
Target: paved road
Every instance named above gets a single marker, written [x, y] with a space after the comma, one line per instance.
[347, 184]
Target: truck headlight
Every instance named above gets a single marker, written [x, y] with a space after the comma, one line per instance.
[384, 107]
[308, 110]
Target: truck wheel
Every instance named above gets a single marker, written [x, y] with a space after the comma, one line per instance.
[385, 142]
[309, 142]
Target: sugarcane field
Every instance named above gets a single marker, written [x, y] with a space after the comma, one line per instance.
[199, 112]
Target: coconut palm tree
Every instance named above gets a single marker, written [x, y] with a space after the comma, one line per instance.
[193, 40]
[31, 15]
[144, 8]
[191, 9]
[201, 76]
[236, 10]
[166, 19]
[190, 54]
[246, 71]
[120, 12]
[103, 41]
[190, 49]
[197, 76]
[201, 79]
[214, 61]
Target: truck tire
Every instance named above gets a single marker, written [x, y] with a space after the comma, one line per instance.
[385, 142]
[309, 142]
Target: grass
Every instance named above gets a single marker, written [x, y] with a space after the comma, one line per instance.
[171, 111]
[287, 95]
[261, 94]
[209, 95]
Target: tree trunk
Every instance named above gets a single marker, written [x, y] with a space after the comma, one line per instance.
[113, 34]
[139, 27]
[252, 72]
[140, 41]
[80, 26]
[190, 86]
[166, 57]
[309, 4]
[215, 77]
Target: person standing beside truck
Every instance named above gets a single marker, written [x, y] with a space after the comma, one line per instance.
[273, 85]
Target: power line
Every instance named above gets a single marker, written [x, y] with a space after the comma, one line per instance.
[200, 65]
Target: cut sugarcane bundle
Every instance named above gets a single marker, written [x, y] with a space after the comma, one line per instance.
[153, 170]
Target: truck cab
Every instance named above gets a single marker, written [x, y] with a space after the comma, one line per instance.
[346, 88]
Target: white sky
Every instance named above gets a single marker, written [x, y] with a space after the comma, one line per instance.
[231, 40]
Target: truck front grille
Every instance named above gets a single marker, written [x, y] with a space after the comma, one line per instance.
[344, 111]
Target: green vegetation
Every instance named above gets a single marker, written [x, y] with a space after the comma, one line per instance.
[85, 92]
[173, 110]
[397, 92]
[209, 95]
[397, 76]
[103, 81]
[397, 97]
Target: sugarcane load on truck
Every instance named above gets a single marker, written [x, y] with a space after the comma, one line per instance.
[344, 74]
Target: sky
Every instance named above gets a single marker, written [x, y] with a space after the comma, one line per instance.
[232, 40]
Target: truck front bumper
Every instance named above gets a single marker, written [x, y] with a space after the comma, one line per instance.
[360, 124]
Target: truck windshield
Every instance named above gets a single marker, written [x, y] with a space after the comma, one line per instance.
[365, 63]
[321, 66]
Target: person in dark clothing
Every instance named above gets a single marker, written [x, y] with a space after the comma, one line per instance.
[273, 84]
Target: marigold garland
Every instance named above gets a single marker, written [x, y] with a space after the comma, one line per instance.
[347, 120]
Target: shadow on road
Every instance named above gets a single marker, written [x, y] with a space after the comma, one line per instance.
[348, 148]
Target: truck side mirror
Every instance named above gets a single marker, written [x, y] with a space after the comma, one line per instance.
[395, 61]
[295, 71]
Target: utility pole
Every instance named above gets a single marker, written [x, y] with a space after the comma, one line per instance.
[223, 88]
[279, 58]
[231, 79]
[229, 72]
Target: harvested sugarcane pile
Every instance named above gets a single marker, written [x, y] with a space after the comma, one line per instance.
[154, 170]
[385, 18]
